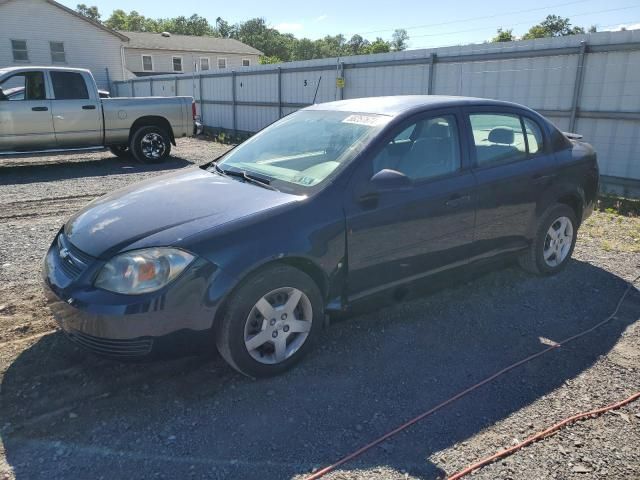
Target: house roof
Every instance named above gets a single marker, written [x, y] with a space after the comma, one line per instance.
[188, 43]
[82, 17]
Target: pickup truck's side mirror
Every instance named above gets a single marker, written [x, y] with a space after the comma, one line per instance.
[387, 179]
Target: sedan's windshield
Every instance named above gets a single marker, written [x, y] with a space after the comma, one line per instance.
[304, 148]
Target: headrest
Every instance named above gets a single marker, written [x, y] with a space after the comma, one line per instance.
[502, 135]
[438, 130]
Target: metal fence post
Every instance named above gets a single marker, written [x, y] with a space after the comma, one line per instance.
[279, 92]
[233, 96]
[342, 74]
[133, 90]
[577, 87]
[432, 70]
[175, 86]
[201, 98]
[151, 86]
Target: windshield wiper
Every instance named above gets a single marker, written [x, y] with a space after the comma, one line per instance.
[247, 178]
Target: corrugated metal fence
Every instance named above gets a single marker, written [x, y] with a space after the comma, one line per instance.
[586, 83]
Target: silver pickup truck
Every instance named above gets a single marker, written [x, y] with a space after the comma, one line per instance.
[61, 110]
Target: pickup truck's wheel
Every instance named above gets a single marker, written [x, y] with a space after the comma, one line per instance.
[270, 321]
[120, 151]
[150, 145]
[553, 245]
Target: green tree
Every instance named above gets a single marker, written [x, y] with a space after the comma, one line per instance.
[504, 36]
[89, 12]
[552, 26]
[399, 40]
[379, 46]
[357, 45]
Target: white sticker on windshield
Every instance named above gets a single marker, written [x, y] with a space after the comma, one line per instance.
[369, 120]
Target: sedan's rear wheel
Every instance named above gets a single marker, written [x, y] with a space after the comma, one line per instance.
[555, 239]
[270, 322]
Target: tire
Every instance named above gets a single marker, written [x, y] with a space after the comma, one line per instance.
[546, 255]
[120, 151]
[150, 145]
[244, 326]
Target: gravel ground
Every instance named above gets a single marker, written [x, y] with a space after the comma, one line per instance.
[67, 414]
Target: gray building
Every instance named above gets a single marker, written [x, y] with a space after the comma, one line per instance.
[157, 53]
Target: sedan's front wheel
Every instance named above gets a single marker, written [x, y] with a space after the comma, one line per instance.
[555, 239]
[270, 322]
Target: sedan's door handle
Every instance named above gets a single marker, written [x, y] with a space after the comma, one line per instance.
[88, 107]
[457, 199]
[542, 178]
[40, 109]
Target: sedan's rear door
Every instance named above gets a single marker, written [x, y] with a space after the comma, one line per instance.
[515, 168]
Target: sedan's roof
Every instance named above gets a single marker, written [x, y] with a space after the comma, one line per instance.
[398, 104]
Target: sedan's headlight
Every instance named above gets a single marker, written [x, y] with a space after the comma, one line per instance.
[142, 271]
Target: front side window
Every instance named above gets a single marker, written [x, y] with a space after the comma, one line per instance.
[428, 148]
[177, 64]
[204, 64]
[57, 52]
[222, 63]
[69, 86]
[303, 149]
[147, 63]
[498, 138]
[19, 48]
[24, 86]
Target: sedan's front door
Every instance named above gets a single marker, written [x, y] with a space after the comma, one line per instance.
[397, 235]
[77, 115]
[26, 123]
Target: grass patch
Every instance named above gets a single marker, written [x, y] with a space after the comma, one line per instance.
[618, 205]
[613, 232]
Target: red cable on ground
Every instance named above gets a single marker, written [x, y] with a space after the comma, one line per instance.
[322, 472]
[541, 435]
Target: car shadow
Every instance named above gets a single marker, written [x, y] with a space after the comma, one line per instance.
[68, 414]
[67, 170]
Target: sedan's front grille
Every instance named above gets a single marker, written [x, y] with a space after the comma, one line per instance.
[73, 261]
[113, 348]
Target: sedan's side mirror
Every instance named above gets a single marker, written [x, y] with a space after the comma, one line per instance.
[388, 179]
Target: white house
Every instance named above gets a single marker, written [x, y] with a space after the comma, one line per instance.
[44, 32]
[157, 53]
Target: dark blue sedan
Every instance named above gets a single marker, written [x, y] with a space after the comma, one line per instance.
[313, 215]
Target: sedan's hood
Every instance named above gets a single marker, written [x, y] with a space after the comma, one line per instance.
[179, 204]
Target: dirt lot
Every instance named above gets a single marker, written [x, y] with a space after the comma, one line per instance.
[67, 414]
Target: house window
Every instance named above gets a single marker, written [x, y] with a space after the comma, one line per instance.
[246, 62]
[19, 48]
[177, 64]
[147, 63]
[204, 64]
[222, 63]
[57, 52]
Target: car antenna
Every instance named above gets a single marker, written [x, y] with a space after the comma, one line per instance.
[317, 87]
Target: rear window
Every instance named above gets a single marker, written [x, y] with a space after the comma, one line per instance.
[69, 86]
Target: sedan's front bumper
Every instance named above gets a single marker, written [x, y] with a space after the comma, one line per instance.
[176, 318]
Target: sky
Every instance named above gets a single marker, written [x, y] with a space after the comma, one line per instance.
[429, 23]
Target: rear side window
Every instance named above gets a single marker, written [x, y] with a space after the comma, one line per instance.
[498, 138]
[69, 86]
[535, 140]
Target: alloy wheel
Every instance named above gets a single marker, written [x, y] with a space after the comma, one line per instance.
[557, 243]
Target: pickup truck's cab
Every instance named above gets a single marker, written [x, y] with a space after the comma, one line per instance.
[61, 108]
